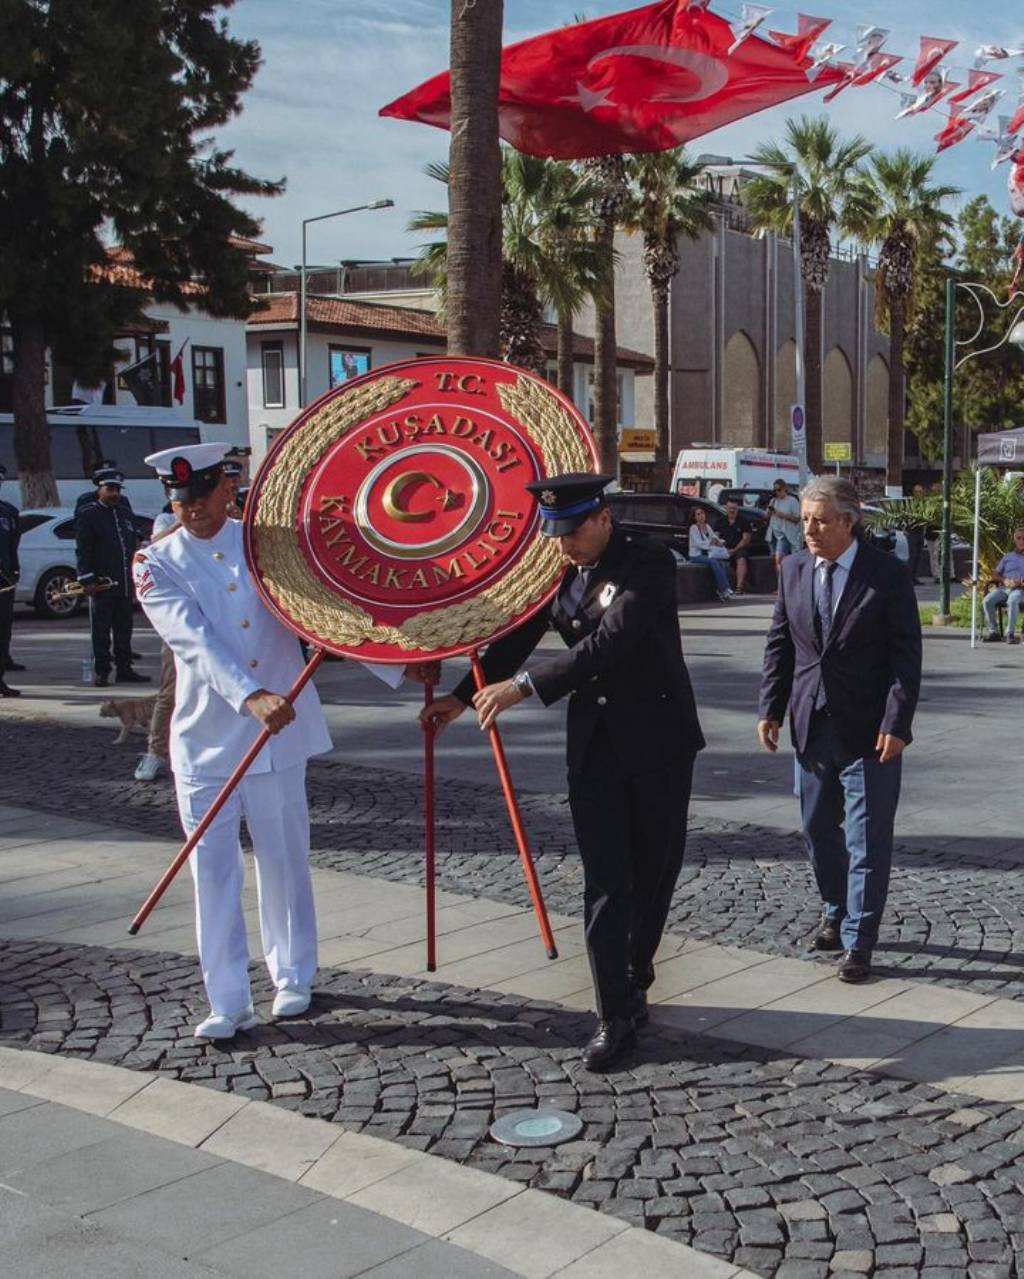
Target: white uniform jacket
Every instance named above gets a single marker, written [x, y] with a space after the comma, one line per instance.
[199, 596]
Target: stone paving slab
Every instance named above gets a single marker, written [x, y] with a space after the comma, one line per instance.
[230, 1217]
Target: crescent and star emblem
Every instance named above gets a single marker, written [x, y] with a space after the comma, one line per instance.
[712, 74]
[396, 490]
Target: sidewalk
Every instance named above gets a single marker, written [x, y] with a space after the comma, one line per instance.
[96, 877]
[115, 1173]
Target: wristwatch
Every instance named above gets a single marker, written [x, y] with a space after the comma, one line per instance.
[523, 683]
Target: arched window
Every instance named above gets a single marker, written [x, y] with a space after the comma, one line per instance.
[741, 393]
[877, 433]
[837, 400]
[785, 395]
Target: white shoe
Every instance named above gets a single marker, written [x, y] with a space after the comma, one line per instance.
[149, 769]
[291, 1002]
[223, 1026]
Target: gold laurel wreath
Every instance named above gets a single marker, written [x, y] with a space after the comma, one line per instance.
[334, 619]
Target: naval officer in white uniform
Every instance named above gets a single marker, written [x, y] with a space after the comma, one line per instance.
[235, 661]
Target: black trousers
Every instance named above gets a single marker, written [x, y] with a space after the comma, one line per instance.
[631, 832]
[111, 612]
[6, 624]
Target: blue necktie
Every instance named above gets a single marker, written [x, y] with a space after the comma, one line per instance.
[575, 591]
[823, 618]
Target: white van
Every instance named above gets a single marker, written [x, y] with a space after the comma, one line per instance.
[83, 434]
[704, 471]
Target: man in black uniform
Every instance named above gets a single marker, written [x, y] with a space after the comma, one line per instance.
[106, 540]
[633, 734]
[10, 534]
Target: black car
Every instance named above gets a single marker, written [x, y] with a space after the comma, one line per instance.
[668, 516]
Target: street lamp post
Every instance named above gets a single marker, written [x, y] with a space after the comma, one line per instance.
[1015, 336]
[321, 217]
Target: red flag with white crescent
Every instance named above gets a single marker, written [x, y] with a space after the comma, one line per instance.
[976, 81]
[644, 80]
[956, 128]
[932, 51]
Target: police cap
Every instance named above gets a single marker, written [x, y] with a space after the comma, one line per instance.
[567, 500]
[189, 471]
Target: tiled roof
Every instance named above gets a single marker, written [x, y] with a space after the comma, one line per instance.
[377, 318]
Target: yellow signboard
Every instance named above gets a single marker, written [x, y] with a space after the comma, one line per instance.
[637, 439]
[838, 452]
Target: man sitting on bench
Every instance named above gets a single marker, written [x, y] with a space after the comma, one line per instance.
[1008, 589]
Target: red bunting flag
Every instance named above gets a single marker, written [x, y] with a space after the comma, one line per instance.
[976, 81]
[809, 29]
[1016, 120]
[877, 65]
[956, 128]
[933, 50]
[644, 80]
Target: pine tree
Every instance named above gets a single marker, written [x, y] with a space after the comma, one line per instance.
[106, 111]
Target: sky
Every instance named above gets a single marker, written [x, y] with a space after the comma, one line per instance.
[329, 65]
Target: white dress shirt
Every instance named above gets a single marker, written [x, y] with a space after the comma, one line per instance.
[199, 596]
[843, 565]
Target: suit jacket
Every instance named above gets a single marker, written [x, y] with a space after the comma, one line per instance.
[870, 664]
[623, 667]
[105, 541]
[10, 536]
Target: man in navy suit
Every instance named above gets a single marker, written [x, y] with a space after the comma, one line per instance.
[844, 654]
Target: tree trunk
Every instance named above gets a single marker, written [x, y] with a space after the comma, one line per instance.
[812, 369]
[606, 382]
[474, 187]
[662, 458]
[897, 396]
[566, 361]
[31, 429]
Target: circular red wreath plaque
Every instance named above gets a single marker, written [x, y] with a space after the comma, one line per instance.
[390, 521]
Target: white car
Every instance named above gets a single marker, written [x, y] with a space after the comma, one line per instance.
[47, 557]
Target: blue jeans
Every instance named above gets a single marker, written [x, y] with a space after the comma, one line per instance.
[1012, 601]
[848, 811]
[718, 570]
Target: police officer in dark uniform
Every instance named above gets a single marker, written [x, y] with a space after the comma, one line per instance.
[106, 540]
[87, 499]
[633, 734]
[10, 570]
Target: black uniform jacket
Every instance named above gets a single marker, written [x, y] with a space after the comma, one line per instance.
[871, 664]
[623, 668]
[106, 540]
[10, 536]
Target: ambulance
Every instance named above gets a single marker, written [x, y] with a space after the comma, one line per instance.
[705, 471]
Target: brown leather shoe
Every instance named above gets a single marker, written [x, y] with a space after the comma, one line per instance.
[855, 966]
[827, 937]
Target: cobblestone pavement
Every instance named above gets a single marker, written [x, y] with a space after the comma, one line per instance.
[952, 918]
[795, 1169]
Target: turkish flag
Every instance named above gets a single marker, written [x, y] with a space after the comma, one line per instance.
[644, 80]
[976, 81]
[178, 374]
[956, 128]
[932, 51]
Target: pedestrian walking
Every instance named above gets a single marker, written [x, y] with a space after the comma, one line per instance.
[844, 655]
[633, 735]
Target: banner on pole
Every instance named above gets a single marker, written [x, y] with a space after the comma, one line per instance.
[390, 521]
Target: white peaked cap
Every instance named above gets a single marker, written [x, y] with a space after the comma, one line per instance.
[199, 457]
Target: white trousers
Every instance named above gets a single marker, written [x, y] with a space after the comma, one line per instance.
[277, 817]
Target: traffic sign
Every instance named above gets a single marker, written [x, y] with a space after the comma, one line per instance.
[797, 419]
[838, 452]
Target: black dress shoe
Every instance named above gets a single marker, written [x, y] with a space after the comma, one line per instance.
[612, 1040]
[7, 691]
[12, 665]
[101, 681]
[827, 937]
[855, 965]
[131, 677]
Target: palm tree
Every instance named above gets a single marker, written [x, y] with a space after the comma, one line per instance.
[474, 194]
[829, 183]
[608, 173]
[548, 255]
[664, 205]
[902, 211]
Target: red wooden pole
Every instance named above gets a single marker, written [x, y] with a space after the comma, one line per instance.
[428, 823]
[515, 818]
[219, 802]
